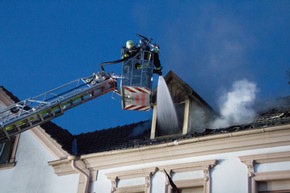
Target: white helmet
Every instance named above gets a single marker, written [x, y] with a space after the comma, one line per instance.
[129, 44]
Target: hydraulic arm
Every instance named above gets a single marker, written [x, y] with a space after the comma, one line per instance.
[35, 111]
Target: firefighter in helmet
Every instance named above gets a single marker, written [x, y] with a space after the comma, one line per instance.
[131, 49]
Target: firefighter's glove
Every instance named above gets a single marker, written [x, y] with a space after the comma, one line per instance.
[158, 71]
[138, 66]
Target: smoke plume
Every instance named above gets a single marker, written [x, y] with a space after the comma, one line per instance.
[140, 129]
[236, 105]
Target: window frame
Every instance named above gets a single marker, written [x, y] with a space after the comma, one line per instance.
[11, 161]
[6, 100]
[191, 183]
[183, 118]
[271, 176]
[115, 177]
[205, 166]
[148, 173]
[255, 177]
[2, 146]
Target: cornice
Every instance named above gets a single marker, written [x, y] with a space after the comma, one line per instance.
[129, 174]
[276, 175]
[192, 166]
[175, 168]
[266, 158]
[63, 166]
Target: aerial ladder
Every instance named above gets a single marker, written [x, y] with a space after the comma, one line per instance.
[135, 91]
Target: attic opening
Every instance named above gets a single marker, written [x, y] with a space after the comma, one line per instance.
[193, 112]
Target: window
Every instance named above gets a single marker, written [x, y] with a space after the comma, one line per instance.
[272, 182]
[131, 189]
[273, 186]
[192, 177]
[189, 186]
[158, 131]
[7, 153]
[8, 149]
[4, 153]
[132, 181]
[268, 181]
[192, 190]
[2, 146]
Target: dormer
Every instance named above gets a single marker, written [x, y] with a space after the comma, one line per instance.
[193, 112]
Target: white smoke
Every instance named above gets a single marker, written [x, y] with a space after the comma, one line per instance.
[199, 123]
[140, 129]
[236, 105]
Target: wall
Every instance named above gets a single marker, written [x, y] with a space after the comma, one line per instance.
[32, 174]
[229, 175]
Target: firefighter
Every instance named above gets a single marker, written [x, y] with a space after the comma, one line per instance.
[131, 49]
[155, 50]
[156, 61]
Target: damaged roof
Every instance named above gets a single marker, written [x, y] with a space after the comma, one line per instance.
[138, 134]
[122, 138]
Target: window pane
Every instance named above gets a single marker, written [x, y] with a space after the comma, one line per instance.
[192, 190]
[274, 186]
[5, 151]
[1, 148]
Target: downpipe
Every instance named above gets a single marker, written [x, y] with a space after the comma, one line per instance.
[80, 171]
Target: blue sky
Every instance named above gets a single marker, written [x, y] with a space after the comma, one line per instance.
[209, 44]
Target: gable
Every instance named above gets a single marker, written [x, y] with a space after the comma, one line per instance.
[180, 90]
[177, 88]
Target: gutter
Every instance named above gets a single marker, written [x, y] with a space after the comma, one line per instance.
[73, 160]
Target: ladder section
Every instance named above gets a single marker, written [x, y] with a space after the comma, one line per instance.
[32, 112]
